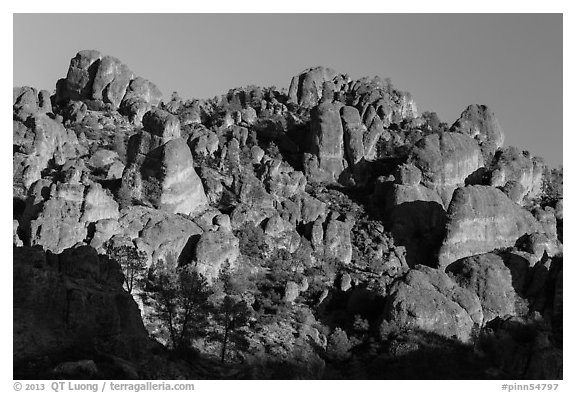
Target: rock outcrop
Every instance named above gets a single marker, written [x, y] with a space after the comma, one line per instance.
[481, 219]
[306, 88]
[215, 251]
[160, 168]
[104, 80]
[479, 122]
[327, 142]
[428, 299]
[446, 161]
[62, 218]
[495, 284]
[37, 143]
[69, 302]
[415, 216]
[514, 167]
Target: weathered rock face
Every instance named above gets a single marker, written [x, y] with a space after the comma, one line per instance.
[70, 301]
[36, 145]
[215, 250]
[157, 233]
[428, 299]
[160, 167]
[514, 165]
[482, 219]
[493, 282]
[306, 88]
[446, 160]
[111, 80]
[337, 243]
[354, 131]
[99, 80]
[28, 101]
[64, 217]
[328, 140]
[479, 122]
[281, 179]
[281, 234]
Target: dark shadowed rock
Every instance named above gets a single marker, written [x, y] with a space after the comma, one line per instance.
[416, 219]
[70, 302]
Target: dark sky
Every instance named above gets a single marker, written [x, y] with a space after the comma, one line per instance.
[510, 62]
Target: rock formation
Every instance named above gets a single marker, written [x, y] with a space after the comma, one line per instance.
[479, 122]
[99, 80]
[160, 167]
[446, 161]
[481, 219]
[340, 234]
[428, 299]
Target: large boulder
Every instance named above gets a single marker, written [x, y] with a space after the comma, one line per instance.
[428, 299]
[446, 161]
[496, 285]
[111, 81]
[512, 165]
[306, 88]
[157, 233]
[481, 219]
[479, 122]
[78, 82]
[215, 251]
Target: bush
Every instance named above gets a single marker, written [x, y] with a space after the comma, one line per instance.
[252, 241]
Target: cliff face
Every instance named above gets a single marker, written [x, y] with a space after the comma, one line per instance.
[482, 219]
[72, 302]
[446, 162]
[359, 238]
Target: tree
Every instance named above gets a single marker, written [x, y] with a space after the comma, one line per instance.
[552, 183]
[180, 299]
[132, 262]
[232, 312]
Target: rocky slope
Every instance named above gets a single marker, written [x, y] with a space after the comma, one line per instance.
[368, 237]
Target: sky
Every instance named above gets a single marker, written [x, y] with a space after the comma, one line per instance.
[509, 62]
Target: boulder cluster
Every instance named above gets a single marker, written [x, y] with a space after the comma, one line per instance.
[369, 222]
